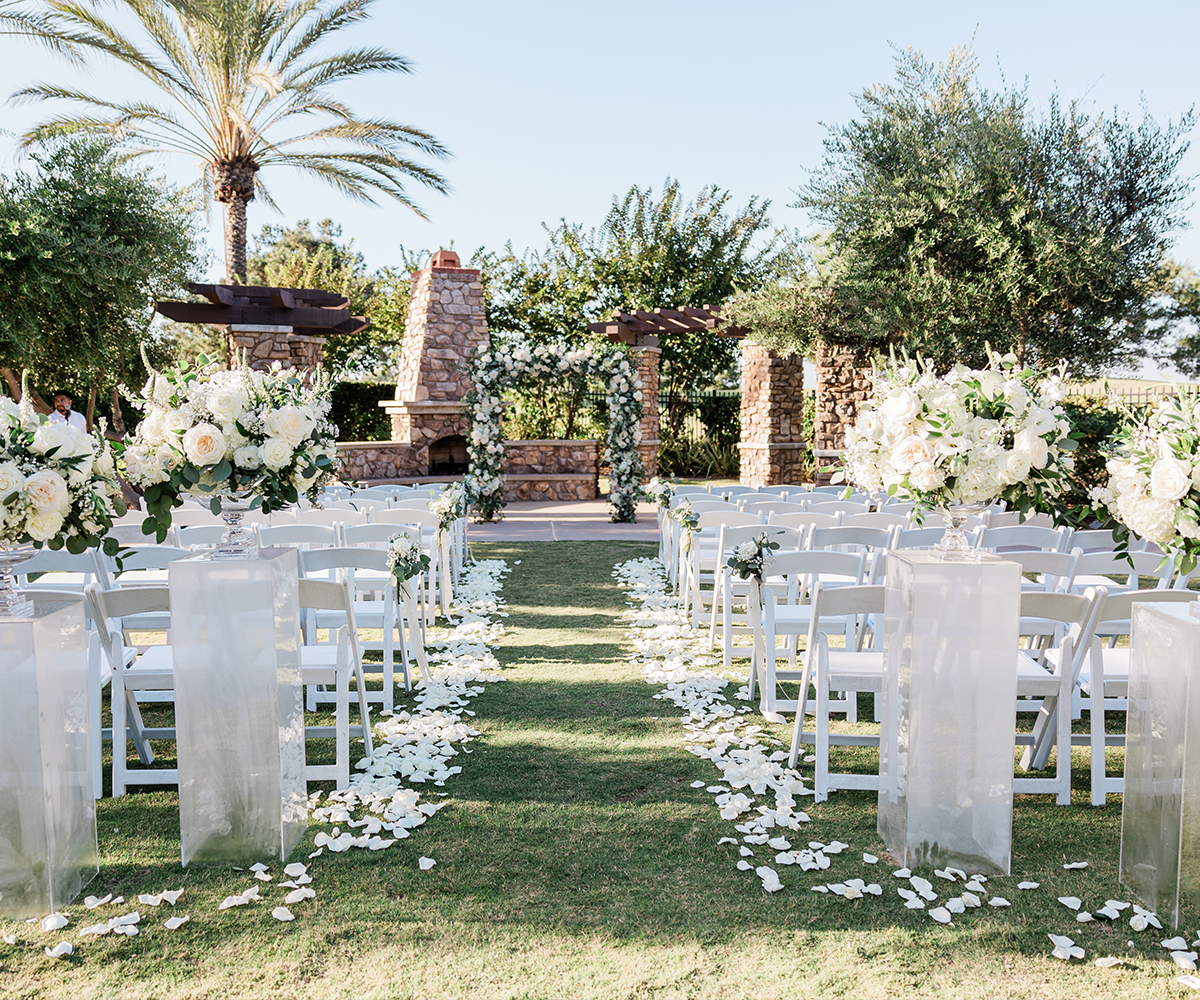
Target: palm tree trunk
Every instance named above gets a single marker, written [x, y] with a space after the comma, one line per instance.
[235, 240]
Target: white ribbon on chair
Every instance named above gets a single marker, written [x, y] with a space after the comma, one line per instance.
[445, 585]
[412, 624]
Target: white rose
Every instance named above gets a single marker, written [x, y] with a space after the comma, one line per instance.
[1043, 420]
[926, 477]
[747, 550]
[290, 423]
[990, 383]
[900, 408]
[44, 525]
[227, 403]
[983, 430]
[176, 421]
[204, 444]
[1017, 466]
[247, 457]
[1034, 445]
[1189, 527]
[152, 428]
[909, 452]
[50, 436]
[11, 479]
[47, 491]
[1170, 479]
[276, 453]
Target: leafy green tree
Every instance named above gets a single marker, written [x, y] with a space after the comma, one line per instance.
[242, 81]
[87, 244]
[957, 216]
[646, 253]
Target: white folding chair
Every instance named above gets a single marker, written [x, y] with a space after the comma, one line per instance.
[57, 570]
[332, 516]
[886, 519]
[847, 670]
[1099, 568]
[1052, 677]
[918, 538]
[1055, 570]
[701, 558]
[730, 588]
[756, 506]
[805, 520]
[845, 507]
[792, 617]
[1104, 680]
[333, 666]
[385, 614]
[873, 543]
[303, 536]
[1012, 537]
[423, 525]
[1102, 540]
[151, 669]
[197, 534]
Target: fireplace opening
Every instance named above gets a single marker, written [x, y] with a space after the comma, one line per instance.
[448, 456]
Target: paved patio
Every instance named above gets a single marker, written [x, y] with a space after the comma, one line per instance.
[564, 521]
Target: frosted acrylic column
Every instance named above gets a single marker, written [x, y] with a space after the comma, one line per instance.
[235, 629]
[47, 809]
[949, 710]
[1160, 812]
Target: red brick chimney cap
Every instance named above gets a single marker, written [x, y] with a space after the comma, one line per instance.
[446, 258]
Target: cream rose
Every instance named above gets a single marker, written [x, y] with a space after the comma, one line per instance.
[44, 525]
[47, 491]
[276, 453]
[901, 407]
[926, 477]
[1170, 479]
[176, 421]
[1034, 445]
[290, 423]
[909, 452]
[227, 403]
[11, 479]
[1017, 466]
[204, 444]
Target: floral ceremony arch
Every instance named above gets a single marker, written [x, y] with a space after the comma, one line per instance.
[498, 369]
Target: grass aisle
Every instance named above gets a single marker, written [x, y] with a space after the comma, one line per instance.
[575, 860]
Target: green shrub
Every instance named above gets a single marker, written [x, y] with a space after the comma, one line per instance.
[1094, 421]
[357, 413]
[703, 459]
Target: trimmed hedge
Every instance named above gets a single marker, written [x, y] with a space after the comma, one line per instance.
[357, 413]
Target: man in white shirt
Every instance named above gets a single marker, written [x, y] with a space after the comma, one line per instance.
[62, 412]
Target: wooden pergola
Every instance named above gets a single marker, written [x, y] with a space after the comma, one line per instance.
[308, 311]
[635, 328]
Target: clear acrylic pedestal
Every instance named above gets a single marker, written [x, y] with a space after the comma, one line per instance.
[948, 733]
[238, 706]
[47, 809]
[1160, 812]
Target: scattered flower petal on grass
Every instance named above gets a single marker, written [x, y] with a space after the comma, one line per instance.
[9, 938]
[60, 949]
[258, 866]
[870, 859]
[174, 923]
[282, 913]
[1071, 902]
[91, 902]
[1084, 917]
[940, 914]
[1075, 864]
[426, 863]
[1191, 982]
[1028, 885]
[55, 922]
[1065, 948]
[998, 901]
[171, 895]
[1185, 960]
[1109, 961]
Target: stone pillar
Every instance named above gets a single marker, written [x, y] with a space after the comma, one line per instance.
[264, 345]
[843, 384]
[772, 447]
[446, 324]
[647, 355]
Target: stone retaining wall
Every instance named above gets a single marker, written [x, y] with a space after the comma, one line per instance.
[536, 469]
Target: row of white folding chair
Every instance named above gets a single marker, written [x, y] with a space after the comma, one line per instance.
[1052, 680]
[152, 669]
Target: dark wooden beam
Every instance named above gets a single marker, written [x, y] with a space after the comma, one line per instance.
[281, 298]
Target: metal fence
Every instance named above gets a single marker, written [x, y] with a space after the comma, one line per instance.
[1134, 395]
[713, 411]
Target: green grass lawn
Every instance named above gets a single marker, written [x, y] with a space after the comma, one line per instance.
[575, 860]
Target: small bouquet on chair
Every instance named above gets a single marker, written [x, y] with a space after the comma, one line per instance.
[450, 505]
[405, 558]
[752, 560]
[686, 517]
[659, 491]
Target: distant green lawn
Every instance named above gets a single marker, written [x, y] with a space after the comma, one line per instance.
[575, 860]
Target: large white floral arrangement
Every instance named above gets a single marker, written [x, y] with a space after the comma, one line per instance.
[497, 370]
[1153, 487]
[208, 431]
[58, 485]
[965, 437]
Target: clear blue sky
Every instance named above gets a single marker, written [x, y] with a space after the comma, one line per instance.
[552, 106]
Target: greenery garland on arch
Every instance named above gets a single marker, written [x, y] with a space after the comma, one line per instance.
[499, 369]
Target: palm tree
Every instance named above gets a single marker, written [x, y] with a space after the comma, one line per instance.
[242, 81]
